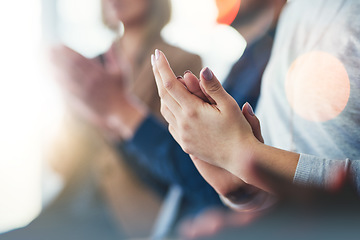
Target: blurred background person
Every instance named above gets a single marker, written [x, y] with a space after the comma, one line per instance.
[120, 98]
[99, 184]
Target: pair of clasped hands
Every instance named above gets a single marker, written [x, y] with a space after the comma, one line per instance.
[222, 139]
[206, 121]
[97, 92]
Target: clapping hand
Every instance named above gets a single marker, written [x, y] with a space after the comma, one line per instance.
[98, 93]
[197, 121]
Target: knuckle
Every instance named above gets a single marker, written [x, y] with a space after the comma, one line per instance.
[168, 84]
[185, 141]
[185, 127]
[190, 112]
[186, 148]
[214, 87]
[257, 122]
[233, 107]
[163, 109]
[171, 130]
[162, 93]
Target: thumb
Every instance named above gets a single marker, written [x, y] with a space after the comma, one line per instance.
[253, 121]
[211, 86]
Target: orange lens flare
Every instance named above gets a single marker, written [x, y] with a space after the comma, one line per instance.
[228, 9]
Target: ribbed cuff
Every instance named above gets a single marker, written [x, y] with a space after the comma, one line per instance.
[303, 170]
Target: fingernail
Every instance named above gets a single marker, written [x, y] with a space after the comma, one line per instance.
[152, 59]
[157, 54]
[179, 77]
[207, 74]
[187, 71]
[250, 109]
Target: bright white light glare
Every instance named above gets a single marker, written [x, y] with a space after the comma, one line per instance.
[81, 27]
[30, 104]
[19, 126]
[193, 27]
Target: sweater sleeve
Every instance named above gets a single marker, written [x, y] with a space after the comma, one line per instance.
[319, 172]
[156, 150]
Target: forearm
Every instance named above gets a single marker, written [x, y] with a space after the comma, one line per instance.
[270, 165]
[267, 162]
[276, 161]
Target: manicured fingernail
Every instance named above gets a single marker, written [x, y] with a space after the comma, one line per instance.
[157, 54]
[152, 59]
[207, 74]
[250, 109]
[187, 71]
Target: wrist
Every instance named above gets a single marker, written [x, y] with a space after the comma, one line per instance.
[246, 159]
[270, 164]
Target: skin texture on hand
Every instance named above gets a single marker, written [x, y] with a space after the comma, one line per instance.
[207, 131]
[224, 182]
[217, 133]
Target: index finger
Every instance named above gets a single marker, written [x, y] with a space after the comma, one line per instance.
[193, 85]
[170, 83]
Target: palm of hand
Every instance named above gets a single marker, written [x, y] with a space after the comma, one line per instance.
[95, 91]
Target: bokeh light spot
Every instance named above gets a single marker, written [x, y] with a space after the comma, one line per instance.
[317, 86]
[228, 9]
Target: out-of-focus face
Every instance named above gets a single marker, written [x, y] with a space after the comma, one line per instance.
[251, 6]
[130, 11]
